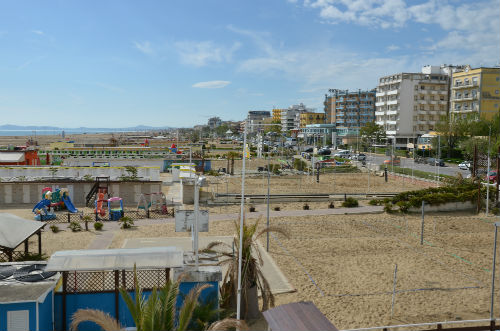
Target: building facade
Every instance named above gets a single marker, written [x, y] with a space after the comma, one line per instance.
[475, 92]
[256, 118]
[277, 115]
[411, 104]
[290, 117]
[311, 118]
[349, 110]
[214, 122]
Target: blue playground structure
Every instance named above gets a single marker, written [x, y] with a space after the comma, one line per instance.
[56, 199]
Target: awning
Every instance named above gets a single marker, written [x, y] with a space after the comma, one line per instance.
[12, 157]
[116, 259]
[14, 230]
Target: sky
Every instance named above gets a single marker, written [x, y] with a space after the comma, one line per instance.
[118, 63]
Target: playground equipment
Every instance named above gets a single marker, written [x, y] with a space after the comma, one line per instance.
[57, 200]
[157, 202]
[115, 213]
[109, 206]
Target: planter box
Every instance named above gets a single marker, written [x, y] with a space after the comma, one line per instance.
[449, 206]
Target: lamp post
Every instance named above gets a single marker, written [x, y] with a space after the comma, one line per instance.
[496, 224]
[488, 175]
[240, 257]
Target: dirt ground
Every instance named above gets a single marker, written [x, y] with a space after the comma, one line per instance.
[329, 183]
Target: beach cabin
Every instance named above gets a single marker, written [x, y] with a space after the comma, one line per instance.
[26, 296]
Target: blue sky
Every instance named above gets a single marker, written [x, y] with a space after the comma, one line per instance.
[177, 63]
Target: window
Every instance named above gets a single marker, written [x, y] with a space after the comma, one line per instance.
[414, 107]
[432, 97]
[421, 107]
[422, 87]
[496, 91]
[18, 320]
[441, 97]
[498, 78]
[416, 87]
[431, 107]
[422, 97]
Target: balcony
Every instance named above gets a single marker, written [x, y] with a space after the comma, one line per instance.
[392, 112]
[462, 85]
[380, 113]
[392, 102]
[391, 132]
[392, 92]
[380, 122]
[380, 94]
[379, 103]
[391, 122]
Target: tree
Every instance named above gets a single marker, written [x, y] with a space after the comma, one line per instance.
[155, 313]
[273, 128]
[372, 132]
[252, 277]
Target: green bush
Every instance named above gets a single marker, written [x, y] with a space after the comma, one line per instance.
[495, 211]
[375, 202]
[388, 208]
[98, 226]
[55, 228]
[350, 203]
[126, 222]
[299, 164]
[75, 226]
[305, 207]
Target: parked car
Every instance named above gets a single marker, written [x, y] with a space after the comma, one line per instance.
[359, 157]
[343, 154]
[492, 176]
[395, 161]
[435, 162]
[324, 151]
[464, 165]
[309, 150]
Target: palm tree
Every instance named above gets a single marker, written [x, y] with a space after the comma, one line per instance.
[155, 313]
[252, 277]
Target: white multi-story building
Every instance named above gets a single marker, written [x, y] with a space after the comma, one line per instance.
[290, 117]
[411, 104]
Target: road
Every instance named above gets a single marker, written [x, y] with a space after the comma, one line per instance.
[449, 169]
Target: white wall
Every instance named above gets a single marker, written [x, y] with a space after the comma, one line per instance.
[13, 172]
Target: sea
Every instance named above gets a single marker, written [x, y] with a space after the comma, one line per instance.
[34, 133]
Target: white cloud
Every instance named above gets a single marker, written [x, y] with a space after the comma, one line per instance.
[212, 84]
[202, 53]
[392, 48]
[471, 26]
[38, 32]
[144, 47]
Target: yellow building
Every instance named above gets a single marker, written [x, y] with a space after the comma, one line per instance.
[475, 91]
[276, 115]
[311, 118]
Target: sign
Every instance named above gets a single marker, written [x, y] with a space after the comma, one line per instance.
[184, 220]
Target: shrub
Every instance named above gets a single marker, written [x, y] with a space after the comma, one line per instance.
[98, 226]
[55, 228]
[495, 210]
[331, 205]
[277, 208]
[299, 164]
[305, 207]
[388, 208]
[404, 206]
[126, 222]
[75, 226]
[350, 203]
[212, 172]
[375, 202]
[252, 209]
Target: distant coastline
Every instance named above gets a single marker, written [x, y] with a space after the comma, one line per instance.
[33, 133]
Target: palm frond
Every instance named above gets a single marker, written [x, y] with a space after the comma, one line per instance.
[105, 321]
[190, 303]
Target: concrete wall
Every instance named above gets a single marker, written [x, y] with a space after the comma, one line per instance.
[31, 192]
[144, 173]
[84, 162]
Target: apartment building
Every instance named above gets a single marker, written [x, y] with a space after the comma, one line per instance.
[308, 118]
[256, 118]
[475, 92]
[349, 110]
[411, 104]
[277, 115]
[214, 122]
[290, 117]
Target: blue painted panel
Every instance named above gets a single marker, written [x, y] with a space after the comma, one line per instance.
[45, 314]
[208, 294]
[4, 308]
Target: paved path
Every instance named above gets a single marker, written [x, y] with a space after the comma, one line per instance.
[104, 239]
